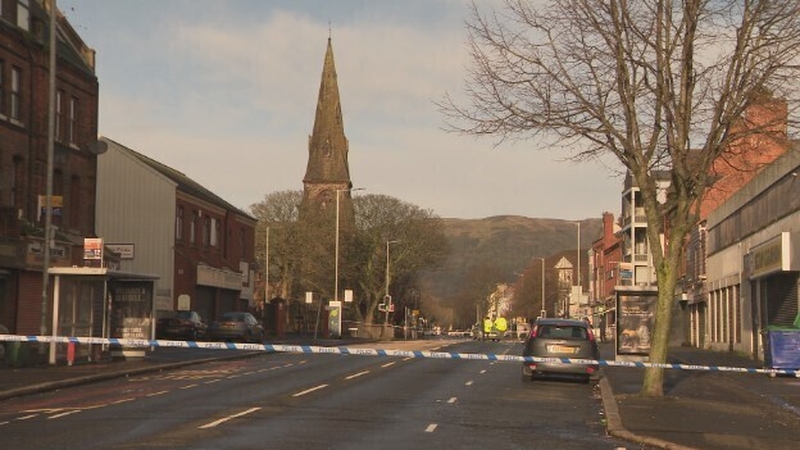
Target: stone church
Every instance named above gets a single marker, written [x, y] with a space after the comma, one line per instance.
[327, 179]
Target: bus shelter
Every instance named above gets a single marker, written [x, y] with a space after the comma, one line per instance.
[100, 302]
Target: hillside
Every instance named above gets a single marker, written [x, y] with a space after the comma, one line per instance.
[504, 243]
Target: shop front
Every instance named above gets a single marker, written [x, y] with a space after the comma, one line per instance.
[775, 278]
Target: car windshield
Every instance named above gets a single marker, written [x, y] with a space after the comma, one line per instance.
[562, 332]
[233, 317]
[185, 315]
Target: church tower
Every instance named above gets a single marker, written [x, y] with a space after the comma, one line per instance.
[328, 173]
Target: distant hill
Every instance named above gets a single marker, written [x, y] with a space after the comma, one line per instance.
[508, 243]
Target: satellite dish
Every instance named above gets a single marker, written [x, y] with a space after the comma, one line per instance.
[98, 147]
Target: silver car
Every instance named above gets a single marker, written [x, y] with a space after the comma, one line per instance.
[560, 338]
[236, 326]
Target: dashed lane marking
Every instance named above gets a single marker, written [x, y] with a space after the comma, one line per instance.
[308, 391]
[225, 419]
[67, 413]
[431, 428]
[389, 364]
[356, 375]
[468, 383]
[452, 400]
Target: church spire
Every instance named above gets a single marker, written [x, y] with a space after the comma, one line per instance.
[328, 145]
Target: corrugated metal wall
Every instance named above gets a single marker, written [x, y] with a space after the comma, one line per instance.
[136, 205]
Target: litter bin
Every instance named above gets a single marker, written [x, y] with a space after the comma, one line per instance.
[782, 349]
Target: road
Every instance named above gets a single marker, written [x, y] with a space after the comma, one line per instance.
[301, 401]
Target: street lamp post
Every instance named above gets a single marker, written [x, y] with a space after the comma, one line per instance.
[542, 312]
[266, 268]
[387, 297]
[576, 292]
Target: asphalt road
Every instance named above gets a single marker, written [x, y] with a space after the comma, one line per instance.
[299, 401]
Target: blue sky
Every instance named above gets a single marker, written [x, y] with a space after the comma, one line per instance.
[225, 91]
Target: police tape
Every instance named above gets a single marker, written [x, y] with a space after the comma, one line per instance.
[341, 350]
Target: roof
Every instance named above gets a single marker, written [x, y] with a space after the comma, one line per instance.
[328, 146]
[183, 182]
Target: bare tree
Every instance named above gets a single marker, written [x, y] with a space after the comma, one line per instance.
[295, 259]
[419, 244]
[660, 85]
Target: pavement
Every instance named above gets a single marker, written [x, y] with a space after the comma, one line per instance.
[699, 409]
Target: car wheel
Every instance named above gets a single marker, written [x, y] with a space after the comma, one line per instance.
[193, 335]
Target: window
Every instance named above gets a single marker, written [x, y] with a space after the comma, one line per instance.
[179, 223]
[16, 92]
[2, 86]
[207, 231]
[72, 119]
[193, 228]
[17, 183]
[23, 14]
[214, 238]
[59, 113]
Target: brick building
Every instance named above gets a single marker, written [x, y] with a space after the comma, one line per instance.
[24, 99]
[605, 264]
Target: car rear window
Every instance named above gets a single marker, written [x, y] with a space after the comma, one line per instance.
[562, 332]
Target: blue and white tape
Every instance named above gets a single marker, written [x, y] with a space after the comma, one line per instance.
[313, 349]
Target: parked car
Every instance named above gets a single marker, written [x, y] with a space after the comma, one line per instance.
[236, 326]
[560, 338]
[181, 325]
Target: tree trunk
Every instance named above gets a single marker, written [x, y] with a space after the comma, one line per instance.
[667, 273]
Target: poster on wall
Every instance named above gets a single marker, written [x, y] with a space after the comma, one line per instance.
[335, 318]
[635, 321]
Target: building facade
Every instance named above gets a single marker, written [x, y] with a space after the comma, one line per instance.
[604, 275]
[748, 155]
[162, 222]
[753, 267]
[24, 130]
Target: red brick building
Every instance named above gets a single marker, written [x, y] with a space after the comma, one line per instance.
[604, 266]
[24, 100]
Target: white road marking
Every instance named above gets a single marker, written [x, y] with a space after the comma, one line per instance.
[30, 416]
[213, 381]
[225, 419]
[483, 371]
[4, 423]
[468, 383]
[57, 416]
[389, 364]
[452, 400]
[308, 391]
[188, 386]
[408, 359]
[431, 428]
[153, 394]
[356, 375]
[123, 400]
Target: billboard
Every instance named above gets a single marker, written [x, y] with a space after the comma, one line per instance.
[636, 309]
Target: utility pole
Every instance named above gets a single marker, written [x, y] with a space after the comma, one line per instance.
[48, 218]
